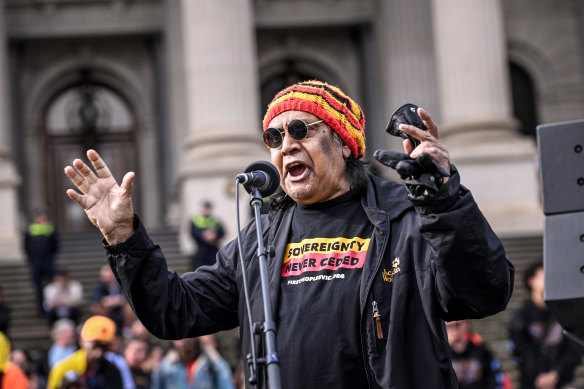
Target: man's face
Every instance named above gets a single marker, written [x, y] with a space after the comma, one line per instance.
[188, 348]
[135, 353]
[206, 211]
[95, 351]
[41, 219]
[61, 281]
[536, 282]
[457, 331]
[67, 336]
[311, 170]
[106, 275]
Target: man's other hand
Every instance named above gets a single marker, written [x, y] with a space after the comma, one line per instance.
[107, 205]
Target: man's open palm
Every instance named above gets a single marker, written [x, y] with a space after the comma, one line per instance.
[107, 204]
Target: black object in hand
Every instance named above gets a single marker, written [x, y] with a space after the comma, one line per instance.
[407, 114]
[423, 176]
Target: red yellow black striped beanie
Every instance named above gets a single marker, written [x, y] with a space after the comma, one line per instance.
[327, 102]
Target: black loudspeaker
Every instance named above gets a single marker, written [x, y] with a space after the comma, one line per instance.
[563, 263]
[561, 153]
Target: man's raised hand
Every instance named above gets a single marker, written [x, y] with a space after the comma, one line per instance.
[107, 205]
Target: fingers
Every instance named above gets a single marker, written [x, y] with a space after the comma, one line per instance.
[408, 146]
[437, 150]
[421, 135]
[430, 143]
[127, 185]
[79, 199]
[428, 122]
[77, 179]
[438, 154]
[98, 164]
[85, 171]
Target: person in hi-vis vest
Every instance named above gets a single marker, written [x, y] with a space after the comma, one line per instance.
[206, 231]
[41, 244]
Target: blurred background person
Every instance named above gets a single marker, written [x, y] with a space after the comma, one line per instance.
[11, 375]
[472, 361]
[107, 298]
[206, 230]
[114, 355]
[545, 357]
[88, 365]
[31, 367]
[63, 298]
[137, 330]
[41, 244]
[156, 349]
[192, 363]
[64, 341]
[136, 354]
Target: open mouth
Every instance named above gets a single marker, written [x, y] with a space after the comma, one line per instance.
[297, 170]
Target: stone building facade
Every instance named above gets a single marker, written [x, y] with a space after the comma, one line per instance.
[175, 90]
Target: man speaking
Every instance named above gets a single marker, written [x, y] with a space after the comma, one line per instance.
[365, 271]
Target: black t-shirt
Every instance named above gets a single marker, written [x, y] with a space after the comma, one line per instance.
[318, 320]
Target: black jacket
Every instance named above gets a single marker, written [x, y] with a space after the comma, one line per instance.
[421, 269]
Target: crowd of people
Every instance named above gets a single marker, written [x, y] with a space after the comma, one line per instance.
[105, 346]
[95, 355]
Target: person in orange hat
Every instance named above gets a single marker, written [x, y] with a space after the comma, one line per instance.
[88, 365]
[11, 376]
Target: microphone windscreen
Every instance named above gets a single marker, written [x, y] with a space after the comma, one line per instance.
[273, 182]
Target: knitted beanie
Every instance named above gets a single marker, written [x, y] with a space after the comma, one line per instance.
[328, 103]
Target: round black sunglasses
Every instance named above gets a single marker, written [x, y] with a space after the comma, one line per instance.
[297, 129]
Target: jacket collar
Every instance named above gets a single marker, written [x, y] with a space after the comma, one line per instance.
[384, 199]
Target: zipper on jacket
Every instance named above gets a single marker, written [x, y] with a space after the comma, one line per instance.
[377, 318]
[368, 372]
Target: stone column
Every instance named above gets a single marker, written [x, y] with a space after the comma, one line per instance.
[10, 236]
[221, 112]
[495, 162]
[404, 35]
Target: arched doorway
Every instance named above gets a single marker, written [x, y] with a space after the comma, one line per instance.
[82, 116]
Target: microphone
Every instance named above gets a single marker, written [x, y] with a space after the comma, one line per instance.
[261, 175]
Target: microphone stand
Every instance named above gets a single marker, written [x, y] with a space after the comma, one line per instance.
[272, 360]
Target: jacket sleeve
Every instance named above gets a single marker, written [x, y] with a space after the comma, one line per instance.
[172, 306]
[472, 276]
